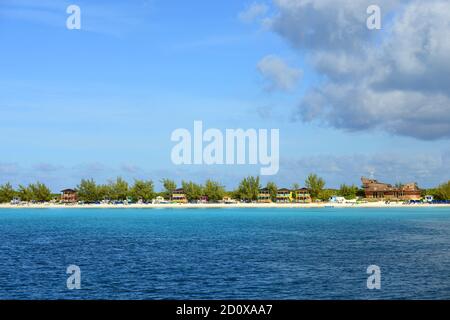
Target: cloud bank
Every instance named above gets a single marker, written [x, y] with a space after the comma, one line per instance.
[277, 74]
[396, 79]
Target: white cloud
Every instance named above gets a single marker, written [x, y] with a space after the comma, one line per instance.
[130, 168]
[396, 80]
[252, 12]
[278, 74]
[44, 167]
[7, 168]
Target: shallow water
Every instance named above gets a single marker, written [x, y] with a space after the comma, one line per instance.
[225, 253]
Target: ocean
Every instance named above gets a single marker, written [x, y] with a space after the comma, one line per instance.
[225, 253]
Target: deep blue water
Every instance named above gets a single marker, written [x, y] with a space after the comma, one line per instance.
[225, 253]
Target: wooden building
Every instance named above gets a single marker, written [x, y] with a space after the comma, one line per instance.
[374, 189]
[69, 196]
[179, 196]
[264, 196]
[302, 196]
[284, 195]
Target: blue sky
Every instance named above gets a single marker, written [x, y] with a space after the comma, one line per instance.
[102, 101]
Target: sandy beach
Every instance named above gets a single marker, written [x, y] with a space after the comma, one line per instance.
[222, 205]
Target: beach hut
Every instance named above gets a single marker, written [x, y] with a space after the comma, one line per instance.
[69, 196]
[264, 196]
[302, 196]
[284, 195]
[179, 196]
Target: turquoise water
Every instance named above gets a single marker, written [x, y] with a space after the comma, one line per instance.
[225, 253]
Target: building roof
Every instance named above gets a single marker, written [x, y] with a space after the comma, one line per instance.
[68, 191]
[375, 185]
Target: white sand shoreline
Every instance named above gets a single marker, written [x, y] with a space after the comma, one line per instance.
[223, 206]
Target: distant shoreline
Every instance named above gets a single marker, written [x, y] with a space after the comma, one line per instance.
[222, 206]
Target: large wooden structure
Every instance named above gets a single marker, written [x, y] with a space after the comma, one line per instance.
[264, 196]
[384, 191]
[69, 196]
[302, 196]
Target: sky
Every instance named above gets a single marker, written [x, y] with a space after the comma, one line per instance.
[102, 101]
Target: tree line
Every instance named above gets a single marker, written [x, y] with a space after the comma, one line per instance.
[116, 190]
[38, 192]
[144, 190]
[249, 189]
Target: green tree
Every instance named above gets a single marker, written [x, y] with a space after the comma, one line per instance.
[273, 189]
[118, 189]
[360, 193]
[214, 191]
[424, 192]
[7, 193]
[348, 192]
[430, 192]
[315, 184]
[169, 187]
[192, 190]
[326, 194]
[142, 190]
[104, 192]
[88, 191]
[249, 188]
[234, 194]
[24, 193]
[295, 186]
[40, 192]
[443, 191]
